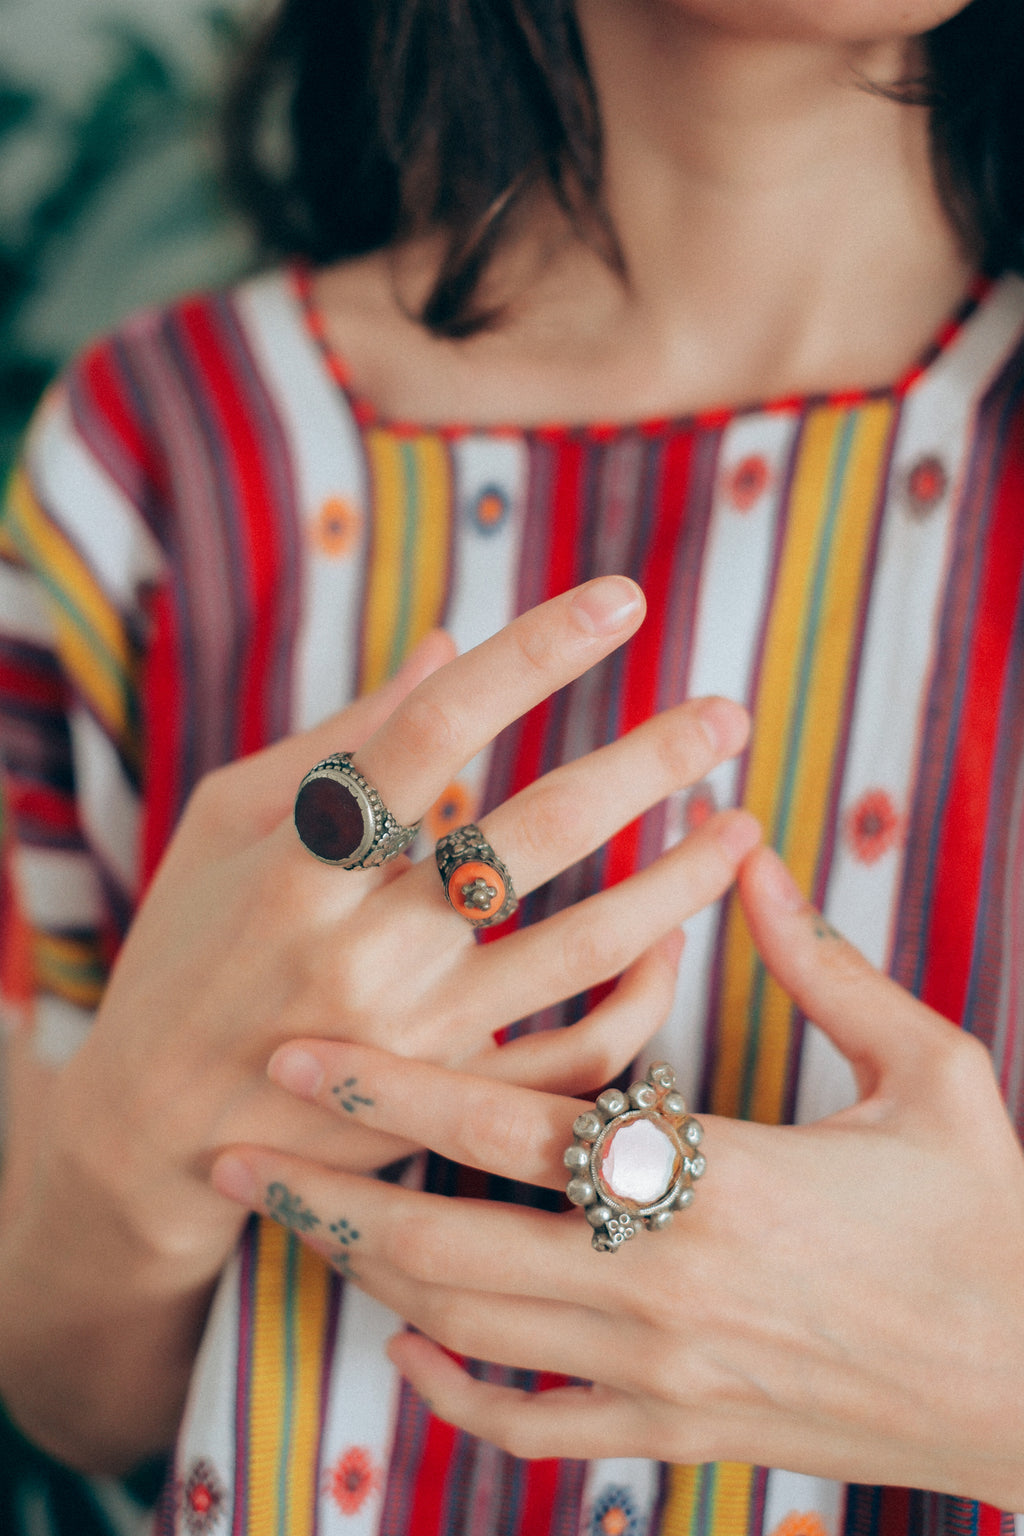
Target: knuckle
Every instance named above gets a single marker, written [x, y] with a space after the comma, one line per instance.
[961, 1064]
[681, 750]
[552, 820]
[590, 953]
[519, 1436]
[430, 728]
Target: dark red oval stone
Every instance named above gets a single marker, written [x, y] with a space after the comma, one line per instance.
[329, 819]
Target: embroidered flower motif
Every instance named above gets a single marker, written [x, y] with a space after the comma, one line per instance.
[336, 529]
[747, 481]
[926, 484]
[490, 509]
[800, 1524]
[453, 809]
[873, 826]
[699, 804]
[614, 1513]
[352, 1479]
[202, 1499]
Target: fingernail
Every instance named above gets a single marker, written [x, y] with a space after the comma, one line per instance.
[233, 1178]
[739, 833]
[779, 885]
[725, 724]
[603, 606]
[297, 1070]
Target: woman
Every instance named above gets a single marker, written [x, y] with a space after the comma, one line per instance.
[638, 217]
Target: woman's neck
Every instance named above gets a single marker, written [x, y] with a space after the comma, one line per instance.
[779, 221]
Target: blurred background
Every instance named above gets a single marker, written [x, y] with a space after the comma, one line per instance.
[110, 190]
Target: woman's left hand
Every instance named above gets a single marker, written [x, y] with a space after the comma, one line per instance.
[844, 1298]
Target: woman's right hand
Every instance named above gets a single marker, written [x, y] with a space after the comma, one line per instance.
[245, 940]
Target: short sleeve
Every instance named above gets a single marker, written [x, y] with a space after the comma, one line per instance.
[77, 560]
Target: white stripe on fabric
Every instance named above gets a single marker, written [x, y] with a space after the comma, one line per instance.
[892, 687]
[791, 1493]
[23, 614]
[58, 889]
[637, 1483]
[108, 805]
[361, 1408]
[486, 555]
[329, 467]
[104, 526]
[59, 1028]
[735, 586]
[208, 1429]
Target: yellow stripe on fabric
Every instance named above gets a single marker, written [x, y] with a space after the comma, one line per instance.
[289, 1338]
[798, 720]
[681, 1501]
[71, 968]
[91, 637]
[710, 1500]
[408, 576]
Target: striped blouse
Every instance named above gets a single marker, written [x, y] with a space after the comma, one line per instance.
[214, 540]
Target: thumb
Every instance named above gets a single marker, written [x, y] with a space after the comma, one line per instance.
[883, 1031]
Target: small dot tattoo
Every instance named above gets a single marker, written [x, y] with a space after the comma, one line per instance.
[346, 1235]
[348, 1098]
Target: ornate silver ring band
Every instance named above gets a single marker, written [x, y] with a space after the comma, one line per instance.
[634, 1159]
[342, 819]
[476, 883]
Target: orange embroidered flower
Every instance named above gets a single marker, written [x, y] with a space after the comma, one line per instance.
[800, 1524]
[490, 509]
[453, 809]
[336, 528]
[352, 1479]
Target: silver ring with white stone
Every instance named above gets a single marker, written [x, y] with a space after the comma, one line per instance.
[634, 1159]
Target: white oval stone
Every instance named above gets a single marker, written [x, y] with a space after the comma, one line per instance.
[639, 1162]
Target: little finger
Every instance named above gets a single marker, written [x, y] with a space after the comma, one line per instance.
[583, 1057]
[573, 1421]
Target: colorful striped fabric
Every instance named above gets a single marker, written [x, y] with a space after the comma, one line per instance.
[216, 541]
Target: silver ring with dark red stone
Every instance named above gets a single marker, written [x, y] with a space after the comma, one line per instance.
[476, 883]
[634, 1159]
[342, 819]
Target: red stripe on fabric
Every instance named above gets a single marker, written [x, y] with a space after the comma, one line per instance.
[894, 1512]
[990, 1520]
[541, 1489]
[240, 442]
[561, 573]
[104, 381]
[643, 655]
[43, 807]
[427, 1504]
[162, 734]
[957, 885]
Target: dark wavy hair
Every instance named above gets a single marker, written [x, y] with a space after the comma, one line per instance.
[356, 123]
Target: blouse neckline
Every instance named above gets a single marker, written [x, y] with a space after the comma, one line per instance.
[299, 276]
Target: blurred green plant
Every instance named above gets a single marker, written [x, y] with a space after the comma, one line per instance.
[133, 211]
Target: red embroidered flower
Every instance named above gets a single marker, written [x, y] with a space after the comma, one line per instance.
[699, 805]
[873, 826]
[202, 1499]
[926, 484]
[747, 481]
[352, 1479]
